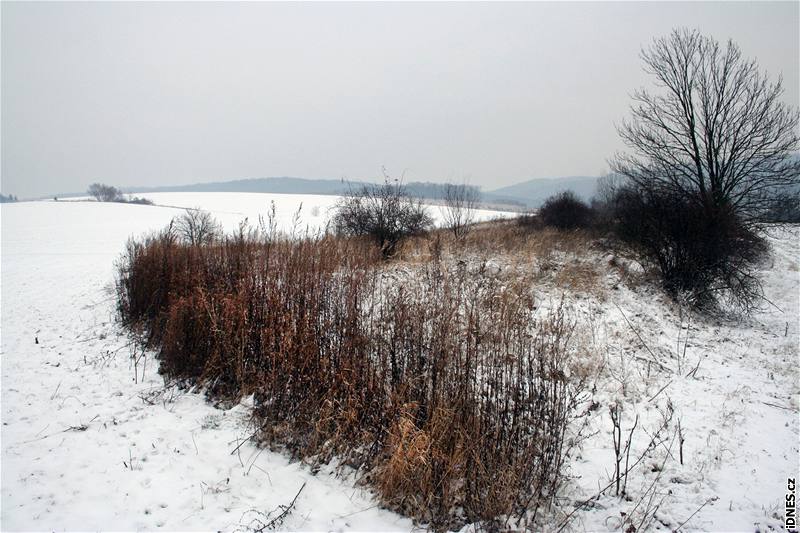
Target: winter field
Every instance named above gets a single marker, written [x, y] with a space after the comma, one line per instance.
[87, 445]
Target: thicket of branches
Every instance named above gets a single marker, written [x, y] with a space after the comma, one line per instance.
[385, 213]
[705, 259]
[445, 390]
[460, 203]
[196, 227]
[105, 193]
[566, 211]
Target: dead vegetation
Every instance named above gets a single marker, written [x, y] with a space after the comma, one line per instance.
[436, 376]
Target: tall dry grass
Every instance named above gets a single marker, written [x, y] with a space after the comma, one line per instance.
[444, 387]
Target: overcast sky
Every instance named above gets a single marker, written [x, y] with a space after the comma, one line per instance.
[174, 93]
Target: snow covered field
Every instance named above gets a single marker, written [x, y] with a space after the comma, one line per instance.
[85, 446]
[135, 465]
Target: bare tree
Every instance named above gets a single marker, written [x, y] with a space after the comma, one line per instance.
[460, 202]
[196, 227]
[386, 213]
[711, 149]
[105, 193]
[717, 133]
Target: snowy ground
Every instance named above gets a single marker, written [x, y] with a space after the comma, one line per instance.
[86, 446]
[135, 465]
[732, 385]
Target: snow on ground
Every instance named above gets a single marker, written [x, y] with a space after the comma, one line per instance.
[314, 210]
[85, 446]
[81, 450]
[733, 385]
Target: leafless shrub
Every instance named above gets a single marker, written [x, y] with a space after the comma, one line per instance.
[104, 193]
[384, 213]
[460, 203]
[709, 152]
[566, 211]
[602, 204]
[196, 227]
[530, 220]
[137, 200]
[700, 257]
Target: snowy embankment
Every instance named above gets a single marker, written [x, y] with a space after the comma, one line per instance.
[86, 446]
[730, 385]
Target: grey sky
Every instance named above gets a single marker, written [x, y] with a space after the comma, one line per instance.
[172, 93]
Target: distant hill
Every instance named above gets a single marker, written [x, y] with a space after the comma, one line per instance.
[523, 195]
[282, 185]
[534, 192]
[289, 185]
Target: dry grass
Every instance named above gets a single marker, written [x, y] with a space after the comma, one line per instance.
[562, 259]
[439, 381]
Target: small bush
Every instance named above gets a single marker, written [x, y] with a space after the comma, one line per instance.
[385, 213]
[196, 227]
[565, 211]
[460, 202]
[139, 201]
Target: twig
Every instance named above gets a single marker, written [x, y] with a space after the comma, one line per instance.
[561, 525]
[660, 391]
[628, 454]
[693, 372]
[357, 512]
[244, 441]
[778, 406]
[637, 333]
[712, 499]
[263, 521]
[278, 520]
[253, 462]
[651, 489]
[650, 361]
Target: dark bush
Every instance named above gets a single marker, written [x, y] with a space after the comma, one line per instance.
[385, 213]
[565, 211]
[529, 220]
[139, 201]
[105, 193]
[698, 252]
